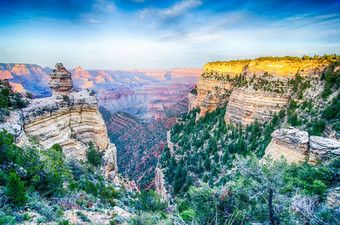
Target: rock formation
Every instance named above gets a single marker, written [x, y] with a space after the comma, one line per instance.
[71, 120]
[212, 93]
[160, 184]
[296, 145]
[290, 143]
[192, 99]
[61, 80]
[324, 148]
[233, 81]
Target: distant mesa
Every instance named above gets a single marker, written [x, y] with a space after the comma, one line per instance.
[60, 80]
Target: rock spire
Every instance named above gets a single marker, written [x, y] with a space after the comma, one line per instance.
[60, 80]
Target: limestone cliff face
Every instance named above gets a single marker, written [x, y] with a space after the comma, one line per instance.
[212, 93]
[295, 145]
[255, 89]
[246, 105]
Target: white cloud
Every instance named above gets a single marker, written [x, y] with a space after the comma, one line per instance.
[177, 9]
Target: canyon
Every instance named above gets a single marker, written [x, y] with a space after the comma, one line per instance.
[138, 107]
[70, 119]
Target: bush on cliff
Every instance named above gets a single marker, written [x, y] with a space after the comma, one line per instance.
[93, 156]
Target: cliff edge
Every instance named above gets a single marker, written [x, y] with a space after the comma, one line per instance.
[70, 119]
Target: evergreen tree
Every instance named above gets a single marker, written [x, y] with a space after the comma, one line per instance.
[16, 190]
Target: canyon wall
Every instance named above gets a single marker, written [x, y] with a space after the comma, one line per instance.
[254, 89]
[212, 93]
[246, 105]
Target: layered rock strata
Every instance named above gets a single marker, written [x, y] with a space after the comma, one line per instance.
[71, 120]
[192, 99]
[160, 184]
[324, 148]
[230, 81]
[247, 105]
[60, 80]
[212, 93]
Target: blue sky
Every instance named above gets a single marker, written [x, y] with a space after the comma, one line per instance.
[127, 34]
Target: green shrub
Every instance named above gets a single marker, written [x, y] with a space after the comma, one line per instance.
[66, 99]
[16, 190]
[7, 220]
[326, 92]
[150, 201]
[293, 120]
[282, 114]
[91, 188]
[93, 156]
[108, 194]
[318, 127]
[83, 217]
[188, 215]
[64, 222]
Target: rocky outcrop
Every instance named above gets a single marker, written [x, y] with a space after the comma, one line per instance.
[247, 105]
[60, 80]
[297, 146]
[160, 184]
[72, 122]
[324, 148]
[333, 197]
[290, 143]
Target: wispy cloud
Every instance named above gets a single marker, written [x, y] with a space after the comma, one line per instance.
[176, 10]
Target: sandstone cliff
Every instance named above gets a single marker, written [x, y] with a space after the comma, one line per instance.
[212, 93]
[245, 105]
[255, 89]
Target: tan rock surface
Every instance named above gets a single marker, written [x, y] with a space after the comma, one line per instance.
[160, 184]
[246, 105]
[290, 143]
[216, 86]
[60, 80]
[324, 148]
[192, 98]
[212, 93]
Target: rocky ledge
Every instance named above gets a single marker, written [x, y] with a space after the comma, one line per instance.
[297, 146]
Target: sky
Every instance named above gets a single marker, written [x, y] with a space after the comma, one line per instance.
[130, 34]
